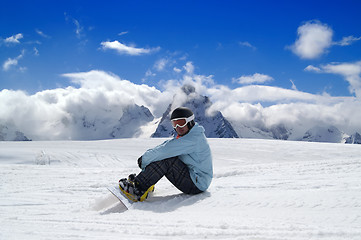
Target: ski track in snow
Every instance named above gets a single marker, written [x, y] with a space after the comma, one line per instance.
[262, 189]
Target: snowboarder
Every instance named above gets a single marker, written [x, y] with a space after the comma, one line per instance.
[185, 160]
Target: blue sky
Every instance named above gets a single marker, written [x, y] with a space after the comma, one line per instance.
[263, 64]
[237, 42]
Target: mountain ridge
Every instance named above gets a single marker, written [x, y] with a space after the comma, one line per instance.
[132, 121]
[215, 124]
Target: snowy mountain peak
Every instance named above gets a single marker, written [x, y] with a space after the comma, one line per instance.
[280, 132]
[129, 124]
[324, 134]
[9, 132]
[215, 125]
[188, 89]
[106, 124]
[354, 139]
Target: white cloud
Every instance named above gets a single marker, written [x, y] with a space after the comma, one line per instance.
[296, 110]
[311, 68]
[127, 50]
[11, 62]
[258, 93]
[346, 41]
[177, 70]
[41, 33]
[58, 113]
[350, 71]
[79, 29]
[14, 39]
[149, 73]
[247, 44]
[122, 33]
[314, 38]
[123, 91]
[161, 64]
[189, 67]
[23, 69]
[293, 85]
[102, 97]
[255, 78]
[36, 51]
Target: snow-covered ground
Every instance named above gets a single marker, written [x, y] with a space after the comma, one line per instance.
[262, 189]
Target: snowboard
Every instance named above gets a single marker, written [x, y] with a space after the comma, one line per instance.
[126, 202]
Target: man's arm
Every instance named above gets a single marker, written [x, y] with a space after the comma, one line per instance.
[170, 148]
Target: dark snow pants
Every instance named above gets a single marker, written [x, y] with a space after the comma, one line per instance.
[173, 169]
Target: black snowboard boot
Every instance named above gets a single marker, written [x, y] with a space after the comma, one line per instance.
[132, 191]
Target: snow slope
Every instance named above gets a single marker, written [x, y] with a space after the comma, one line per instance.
[262, 189]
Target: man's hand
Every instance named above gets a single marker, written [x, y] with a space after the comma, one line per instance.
[140, 162]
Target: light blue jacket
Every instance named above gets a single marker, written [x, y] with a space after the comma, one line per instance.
[192, 149]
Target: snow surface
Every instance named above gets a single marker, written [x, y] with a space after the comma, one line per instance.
[262, 189]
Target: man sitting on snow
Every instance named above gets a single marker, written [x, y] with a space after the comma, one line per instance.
[185, 160]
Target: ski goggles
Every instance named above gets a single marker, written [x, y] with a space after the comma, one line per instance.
[181, 122]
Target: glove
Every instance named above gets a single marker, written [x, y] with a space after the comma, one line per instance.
[140, 162]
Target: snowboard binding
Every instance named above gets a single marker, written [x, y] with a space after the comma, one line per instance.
[131, 191]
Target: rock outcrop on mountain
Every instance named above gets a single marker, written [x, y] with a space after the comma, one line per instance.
[354, 139]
